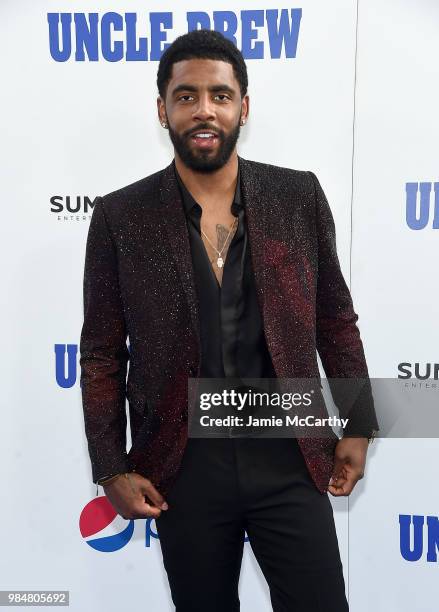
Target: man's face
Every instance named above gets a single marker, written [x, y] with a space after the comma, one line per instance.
[203, 109]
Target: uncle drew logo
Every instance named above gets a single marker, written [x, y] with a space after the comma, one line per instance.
[419, 537]
[421, 211]
[116, 37]
[66, 364]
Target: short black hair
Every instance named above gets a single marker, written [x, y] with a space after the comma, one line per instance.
[201, 44]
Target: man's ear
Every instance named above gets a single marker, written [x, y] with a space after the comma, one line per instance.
[245, 108]
[161, 109]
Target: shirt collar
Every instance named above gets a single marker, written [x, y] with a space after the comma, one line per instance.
[189, 202]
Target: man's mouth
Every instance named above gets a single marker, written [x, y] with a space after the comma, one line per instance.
[205, 140]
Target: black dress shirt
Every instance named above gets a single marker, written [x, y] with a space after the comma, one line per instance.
[233, 343]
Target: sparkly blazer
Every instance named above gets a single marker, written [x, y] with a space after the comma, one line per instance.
[139, 285]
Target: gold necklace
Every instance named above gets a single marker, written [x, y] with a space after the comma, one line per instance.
[220, 261]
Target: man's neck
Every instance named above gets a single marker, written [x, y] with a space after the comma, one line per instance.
[213, 188]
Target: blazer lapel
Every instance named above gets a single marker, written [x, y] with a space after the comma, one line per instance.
[254, 203]
[256, 200]
[174, 219]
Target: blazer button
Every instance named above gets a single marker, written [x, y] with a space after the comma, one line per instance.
[193, 371]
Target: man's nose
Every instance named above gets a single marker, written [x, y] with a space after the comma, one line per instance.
[205, 110]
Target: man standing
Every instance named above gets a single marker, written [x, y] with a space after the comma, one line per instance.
[217, 267]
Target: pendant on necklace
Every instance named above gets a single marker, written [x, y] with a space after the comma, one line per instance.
[220, 262]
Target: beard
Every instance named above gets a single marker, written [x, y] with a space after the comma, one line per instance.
[205, 161]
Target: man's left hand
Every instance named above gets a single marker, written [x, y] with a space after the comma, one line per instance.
[349, 464]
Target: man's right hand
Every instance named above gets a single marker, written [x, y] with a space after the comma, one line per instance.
[127, 496]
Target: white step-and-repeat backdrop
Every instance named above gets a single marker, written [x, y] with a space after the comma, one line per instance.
[346, 88]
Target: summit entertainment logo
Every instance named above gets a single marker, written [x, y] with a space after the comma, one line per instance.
[72, 208]
[424, 371]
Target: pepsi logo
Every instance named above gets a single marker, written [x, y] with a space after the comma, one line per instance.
[102, 527]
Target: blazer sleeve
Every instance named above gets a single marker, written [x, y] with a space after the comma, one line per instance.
[337, 335]
[103, 352]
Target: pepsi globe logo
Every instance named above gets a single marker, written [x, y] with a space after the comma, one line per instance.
[106, 531]
[103, 528]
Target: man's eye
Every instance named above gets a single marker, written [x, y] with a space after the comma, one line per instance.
[224, 97]
[184, 98]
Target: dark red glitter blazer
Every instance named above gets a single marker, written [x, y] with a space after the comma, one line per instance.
[138, 284]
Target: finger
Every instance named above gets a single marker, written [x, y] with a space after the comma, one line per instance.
[344, 486]
[153, 495]
[339, 472]
[337, 491]
[152, 511]
[145, 486]
[337, 482]
[145, 510]
[338, 488]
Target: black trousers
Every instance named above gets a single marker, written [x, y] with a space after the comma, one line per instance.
[261, 486]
